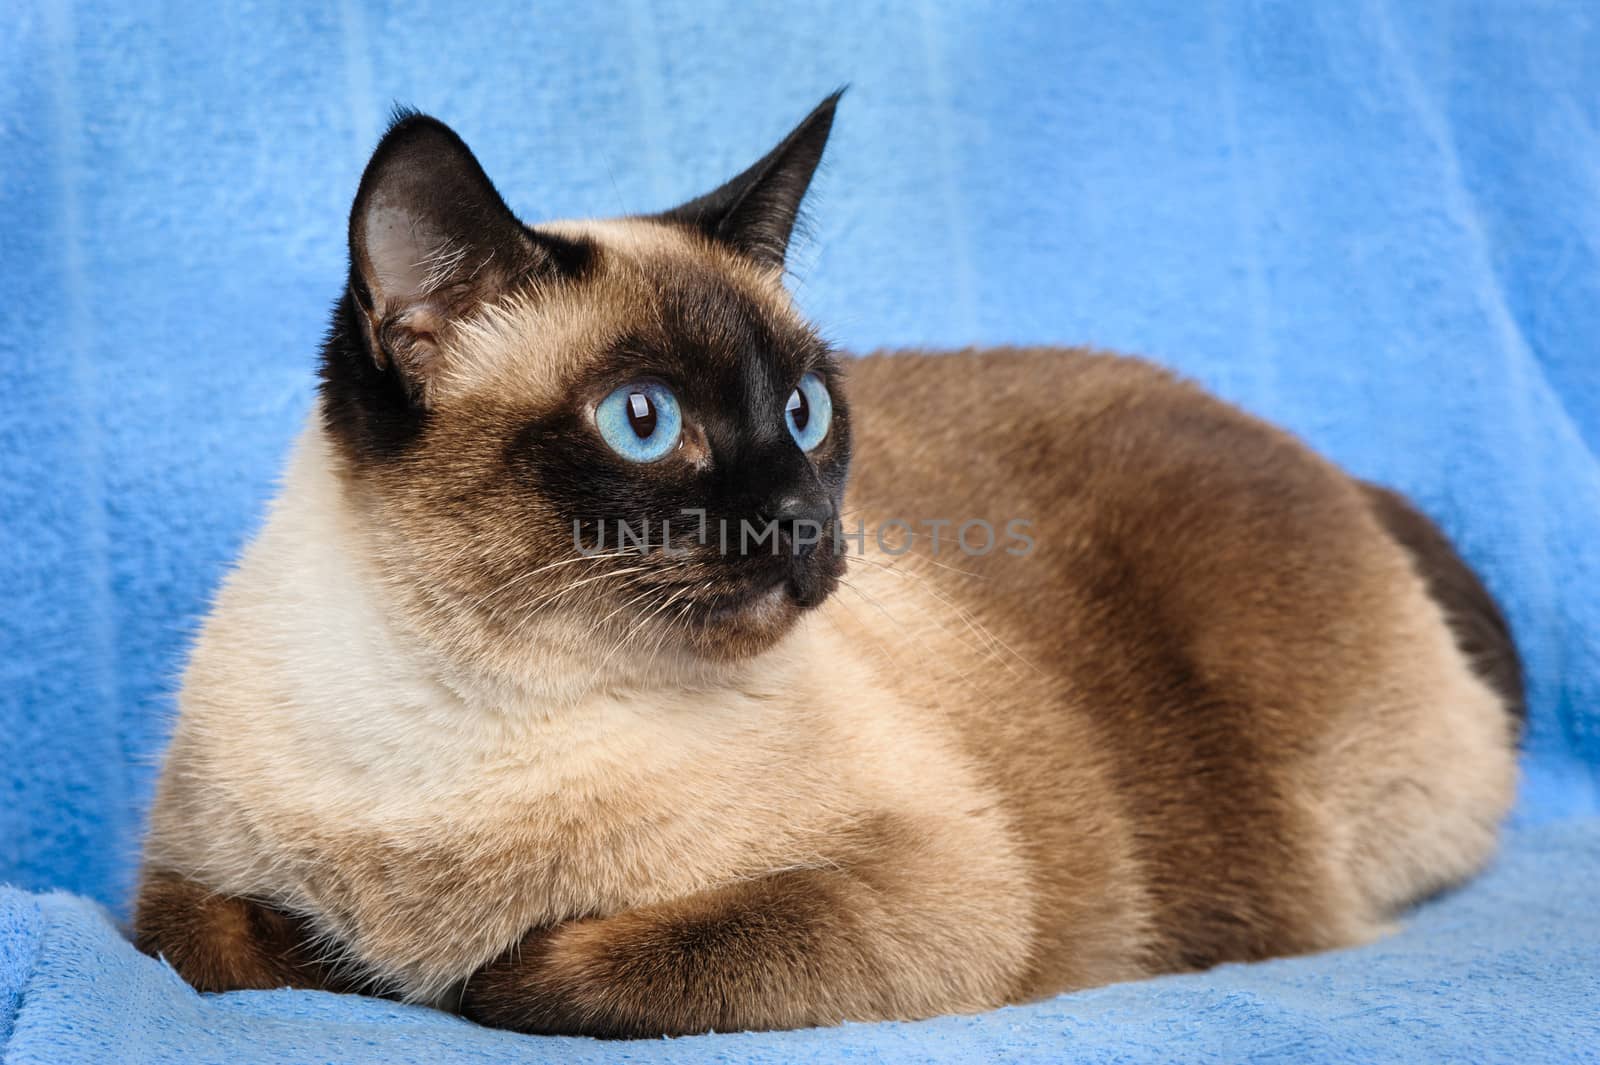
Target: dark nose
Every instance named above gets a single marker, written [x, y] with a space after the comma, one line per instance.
[802, 519]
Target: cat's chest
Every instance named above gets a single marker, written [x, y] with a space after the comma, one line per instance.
[442, 863]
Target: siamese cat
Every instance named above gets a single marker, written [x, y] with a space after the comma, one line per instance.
[505, 711]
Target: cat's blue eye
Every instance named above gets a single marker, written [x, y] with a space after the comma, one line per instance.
[640, 421]
[809, 412]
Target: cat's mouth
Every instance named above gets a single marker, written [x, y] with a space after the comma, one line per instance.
[750, 617]
[756, 602]
[786, 592]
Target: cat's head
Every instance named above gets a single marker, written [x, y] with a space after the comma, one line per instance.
[612, 436]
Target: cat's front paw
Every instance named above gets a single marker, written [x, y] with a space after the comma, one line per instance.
[219, 942]
[580, 978]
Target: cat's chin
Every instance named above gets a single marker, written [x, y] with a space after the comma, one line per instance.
[755, 621]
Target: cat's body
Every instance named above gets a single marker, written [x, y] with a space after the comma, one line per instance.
[1208, 710]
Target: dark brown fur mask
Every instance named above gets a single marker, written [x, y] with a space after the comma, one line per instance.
[471, 391]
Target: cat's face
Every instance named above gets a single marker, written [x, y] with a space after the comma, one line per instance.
[616, 439]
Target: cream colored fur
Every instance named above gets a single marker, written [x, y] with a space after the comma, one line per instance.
[428, 796]
[327, 760]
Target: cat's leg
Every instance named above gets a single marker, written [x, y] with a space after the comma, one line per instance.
[225, 943]
[904, 934]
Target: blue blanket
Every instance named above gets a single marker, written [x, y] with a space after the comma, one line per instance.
[1504, 972]
[1378, 225]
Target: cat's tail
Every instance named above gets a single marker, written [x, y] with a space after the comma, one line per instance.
[1480, 629]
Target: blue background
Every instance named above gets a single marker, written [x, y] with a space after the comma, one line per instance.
[1378, 224]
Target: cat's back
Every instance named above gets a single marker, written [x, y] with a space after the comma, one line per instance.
[1124, 500]
[1054, 428]
[1270, 692]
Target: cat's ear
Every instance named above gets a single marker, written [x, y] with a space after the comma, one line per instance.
[430, 240]
[755, 212]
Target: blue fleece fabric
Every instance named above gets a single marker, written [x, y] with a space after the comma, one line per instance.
[1378, 225]
[1504, 972]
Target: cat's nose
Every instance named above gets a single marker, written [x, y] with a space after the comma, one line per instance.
[802, 518]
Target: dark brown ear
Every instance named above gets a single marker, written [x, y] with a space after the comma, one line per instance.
[755, 212]
[430, 240]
